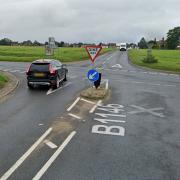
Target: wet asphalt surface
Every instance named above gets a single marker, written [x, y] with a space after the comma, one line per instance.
[144, 140]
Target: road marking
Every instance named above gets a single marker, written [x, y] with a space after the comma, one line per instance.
[105, 115]
[54, 156]
[85, 100]
[107, 84]
[105, 121]
[50, 91]
[95, 106]
[74, 103]
[25, 155]
[22, 72]
[75, 116]
[50, 144]
[7, 70]
[13, 71]
[117, 66]
[108, 130]
[151, 111]
[40, 124]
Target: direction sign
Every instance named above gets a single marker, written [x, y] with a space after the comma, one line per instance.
[93, 52]
[93, 75]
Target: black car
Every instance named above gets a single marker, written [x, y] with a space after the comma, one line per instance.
[48, 72]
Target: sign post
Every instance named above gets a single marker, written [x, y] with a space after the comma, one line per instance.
[93, 75]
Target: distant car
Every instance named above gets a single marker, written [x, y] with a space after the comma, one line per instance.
[48, 72]
[123, 47]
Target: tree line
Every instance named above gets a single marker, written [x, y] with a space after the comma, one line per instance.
[171, 42]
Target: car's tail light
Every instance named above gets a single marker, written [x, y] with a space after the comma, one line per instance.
[27, 70]
[52, 70]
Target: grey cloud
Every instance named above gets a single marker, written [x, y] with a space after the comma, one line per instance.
[88, 20]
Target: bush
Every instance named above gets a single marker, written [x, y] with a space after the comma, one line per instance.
[149, 58]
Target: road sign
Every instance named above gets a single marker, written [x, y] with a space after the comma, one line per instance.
[93, 75]
[93, 51]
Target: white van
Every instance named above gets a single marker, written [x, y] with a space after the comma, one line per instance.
[123, 47]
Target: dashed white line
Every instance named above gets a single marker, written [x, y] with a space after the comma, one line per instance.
[50, 144]
[74, 103]
[25, 155]
[74, 116]
[54, 156]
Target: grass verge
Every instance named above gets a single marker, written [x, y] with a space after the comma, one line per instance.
[28, 54]
[3, 80]
[168, 60]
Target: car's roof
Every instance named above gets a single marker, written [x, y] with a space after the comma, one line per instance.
[45, 61]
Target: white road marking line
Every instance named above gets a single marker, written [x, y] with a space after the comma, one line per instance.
[85, 100]
[74, 103]
[107, 84]
[144, 72]
[109, 120]
[50, 144]
[150, 110]
[115, 115]
[22, 72]
[25, 155]
[75, 116]
[170, 85]
[40, 124]
[50, 91]
[7, 70]
[117, 66]
[13, 71]
[54, 156]
[95, 106]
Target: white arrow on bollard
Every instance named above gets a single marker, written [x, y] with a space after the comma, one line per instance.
[91, 76]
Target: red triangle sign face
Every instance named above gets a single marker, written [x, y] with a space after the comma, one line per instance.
[93, 52]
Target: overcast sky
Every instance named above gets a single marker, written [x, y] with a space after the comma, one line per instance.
[88, 20]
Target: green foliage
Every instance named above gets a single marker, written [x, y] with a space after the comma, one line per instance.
[3, 80]
[28, 54]
[142, 44]
[173, 38]
[149, 58]
[167, 59]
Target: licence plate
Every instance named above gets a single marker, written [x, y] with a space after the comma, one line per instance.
[39, 74]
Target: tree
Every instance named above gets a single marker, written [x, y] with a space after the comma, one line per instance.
[5, 42]
[173, 38]
[142, 44]
[36, 43]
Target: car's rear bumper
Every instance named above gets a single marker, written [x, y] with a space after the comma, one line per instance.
[39, 83]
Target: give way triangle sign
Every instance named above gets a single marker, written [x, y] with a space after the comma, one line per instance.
[93, 52]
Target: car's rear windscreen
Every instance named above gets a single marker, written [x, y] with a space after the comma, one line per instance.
[44, 67]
